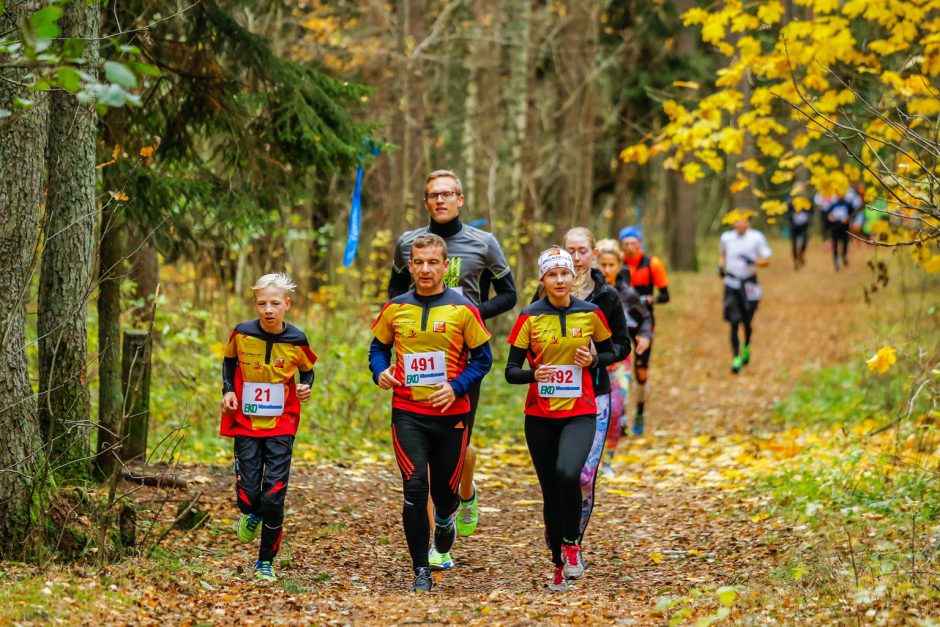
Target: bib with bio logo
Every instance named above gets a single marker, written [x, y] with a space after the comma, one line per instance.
[262, 399]
[425, 368]
[565, 384]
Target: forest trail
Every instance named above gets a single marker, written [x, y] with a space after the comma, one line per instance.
[672, 520]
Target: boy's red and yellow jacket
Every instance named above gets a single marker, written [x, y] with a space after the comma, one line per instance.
[253, 355]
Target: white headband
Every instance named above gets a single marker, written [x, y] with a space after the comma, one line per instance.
[555, 258]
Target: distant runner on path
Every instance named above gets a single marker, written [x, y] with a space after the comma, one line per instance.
[741, 251]
[640, 329]
[646, 272]
[261, 412]
[475, 258]
[554, 335]
[442, 351]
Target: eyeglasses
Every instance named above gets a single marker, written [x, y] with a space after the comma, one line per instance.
[448, 195]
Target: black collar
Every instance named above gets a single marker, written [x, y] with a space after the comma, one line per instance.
[448, 229]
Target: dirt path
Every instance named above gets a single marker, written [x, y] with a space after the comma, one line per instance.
[673, 519]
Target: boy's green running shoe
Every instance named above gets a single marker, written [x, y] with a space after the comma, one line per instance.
[264, 572]
[439, 561]
[745, 354]
[468, 515]
[736, 365]
[248, 527]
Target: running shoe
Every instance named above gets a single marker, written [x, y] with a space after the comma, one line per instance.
[745, 354]
[444, 536]
[439, 561]
[264, 572]
[736, 365]
[559, 583]
[574, 566]
[468, 515]
[248, 527]
[422, 581]
[638, 424]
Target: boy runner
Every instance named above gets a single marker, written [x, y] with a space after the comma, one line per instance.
[261, 411]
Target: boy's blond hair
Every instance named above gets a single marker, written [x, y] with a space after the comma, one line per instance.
[277, 280]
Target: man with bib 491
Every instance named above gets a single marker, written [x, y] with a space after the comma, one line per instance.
[442, 351]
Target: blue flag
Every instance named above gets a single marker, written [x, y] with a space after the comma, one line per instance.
[355, 217]
[355, 211]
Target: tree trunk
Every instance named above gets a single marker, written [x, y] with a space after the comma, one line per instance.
[110, 395]
[682, 210]
[681, 223]
[144, 270]
[23, 139]
[577, 51]
[523, 83]
[64, 286]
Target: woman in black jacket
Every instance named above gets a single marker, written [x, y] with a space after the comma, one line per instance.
[589, 285]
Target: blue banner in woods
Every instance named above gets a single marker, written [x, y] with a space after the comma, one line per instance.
[355, 212]
[355, 217]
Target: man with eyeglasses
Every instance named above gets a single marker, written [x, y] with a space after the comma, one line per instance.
[475, 261]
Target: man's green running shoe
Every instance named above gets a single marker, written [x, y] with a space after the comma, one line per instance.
[736, 364]
[264, 572]
[468, 515]
[248, 527]
[439, 561]
[745, 354]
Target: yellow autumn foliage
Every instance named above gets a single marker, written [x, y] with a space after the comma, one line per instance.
[803, 79]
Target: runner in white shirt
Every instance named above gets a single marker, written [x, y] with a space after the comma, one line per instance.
[741, 251]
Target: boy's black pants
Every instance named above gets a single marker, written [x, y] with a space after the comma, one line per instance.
[262, 471]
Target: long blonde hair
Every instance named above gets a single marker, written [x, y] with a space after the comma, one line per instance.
[583, 284]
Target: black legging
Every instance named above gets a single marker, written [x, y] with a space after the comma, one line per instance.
[423, 443]
[559, 447]
[738, 312]
[262, 471]
[840, 239]
[799, 237]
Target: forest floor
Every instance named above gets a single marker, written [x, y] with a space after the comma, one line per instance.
[680, 521]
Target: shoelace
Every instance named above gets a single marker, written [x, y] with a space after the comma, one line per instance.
[559, 575]
[571, 553]
[265, 569]
[466, 513]
[252, 523]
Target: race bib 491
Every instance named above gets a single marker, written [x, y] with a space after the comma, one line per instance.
[425, 368]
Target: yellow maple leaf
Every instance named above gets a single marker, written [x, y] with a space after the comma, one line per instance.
[770, 12]
[692, 172]
[638, 153]
[882, 361]
[802, 203]
[752, 166]
[738, 185]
